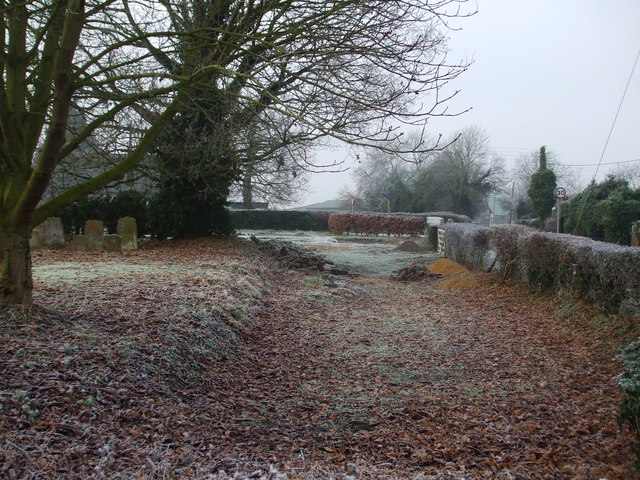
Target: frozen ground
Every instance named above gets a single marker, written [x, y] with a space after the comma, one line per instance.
[369, 255]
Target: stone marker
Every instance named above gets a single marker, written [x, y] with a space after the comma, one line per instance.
[113, 243]
[79, 242]
[53, 232]
[128, 231]
[634, 236]
[37, 237]
[94, 232]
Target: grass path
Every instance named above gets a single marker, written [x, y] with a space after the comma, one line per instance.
[197, 360]
[411, 380]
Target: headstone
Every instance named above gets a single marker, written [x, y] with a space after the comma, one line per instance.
[634, 236]
[113, 243]
[128, 231]
[94, 232]
[37, 237]
[53, 232]
[79, 242]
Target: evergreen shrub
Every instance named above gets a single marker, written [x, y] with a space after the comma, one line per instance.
[432, 235]
[108, 209]
[629, 385]
[280, 220]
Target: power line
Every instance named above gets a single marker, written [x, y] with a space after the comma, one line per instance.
[624, 94]
[599, 163]
[584, 202]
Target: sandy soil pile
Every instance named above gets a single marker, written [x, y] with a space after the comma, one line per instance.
[462, 281]
[444, 266]
[459, 277]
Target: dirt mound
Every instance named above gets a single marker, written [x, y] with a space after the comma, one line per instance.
[462, 281]
[409, 246]
[413, 272]
[444, 266]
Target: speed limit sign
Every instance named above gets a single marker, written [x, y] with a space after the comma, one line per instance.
[560, 193]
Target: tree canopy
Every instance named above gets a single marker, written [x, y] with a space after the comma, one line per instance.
[353, 70]
[604, 211]
[458, 178]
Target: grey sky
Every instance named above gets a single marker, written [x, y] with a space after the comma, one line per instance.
[545, 72]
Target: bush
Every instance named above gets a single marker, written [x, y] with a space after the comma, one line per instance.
[603, 273]
[505, 240]
[599, 272]
[108, 209]
[629, 384]
[174, 211]
[617, 214]
[370, 224]
[280, 219]
[604, 211]
[548, 259]
[127, 203]
[608, 274]
[466, 243]
[432, 235]
[75, 215]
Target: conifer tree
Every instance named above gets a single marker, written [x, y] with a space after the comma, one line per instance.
[543, 182]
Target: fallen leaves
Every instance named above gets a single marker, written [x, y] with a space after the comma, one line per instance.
[201, 372]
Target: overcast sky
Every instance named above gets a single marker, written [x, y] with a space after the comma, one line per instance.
[545, 72]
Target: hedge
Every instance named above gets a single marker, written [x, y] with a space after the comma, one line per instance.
[280, 219]
[629, 385]
[466, 243]
[603, 273]
[371, 224]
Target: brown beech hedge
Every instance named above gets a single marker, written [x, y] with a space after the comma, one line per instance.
[369, 224]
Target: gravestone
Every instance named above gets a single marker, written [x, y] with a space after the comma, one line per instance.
[128, 231]
[37, 237]
[634, 236]
[113, 243]
[79, 242]
[53, 232]
[94, 232]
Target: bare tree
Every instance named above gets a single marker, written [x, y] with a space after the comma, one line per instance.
[380, 173]
[462, 175]
[352, 70]
[629, 172]
[272, 170]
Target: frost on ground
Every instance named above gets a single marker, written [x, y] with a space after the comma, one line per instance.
[376, 257]
[198, 360]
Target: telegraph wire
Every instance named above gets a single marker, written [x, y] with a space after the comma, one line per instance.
[584, 202]
[599, 163]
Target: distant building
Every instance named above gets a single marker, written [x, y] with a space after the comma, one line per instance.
[331, 205]
[498, 211]
[253, 206]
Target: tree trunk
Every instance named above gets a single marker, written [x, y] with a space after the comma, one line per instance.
[16, 284]
[247, 191]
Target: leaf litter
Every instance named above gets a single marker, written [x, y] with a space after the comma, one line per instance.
[199, 360]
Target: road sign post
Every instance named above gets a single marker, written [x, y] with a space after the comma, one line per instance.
[560, 193]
